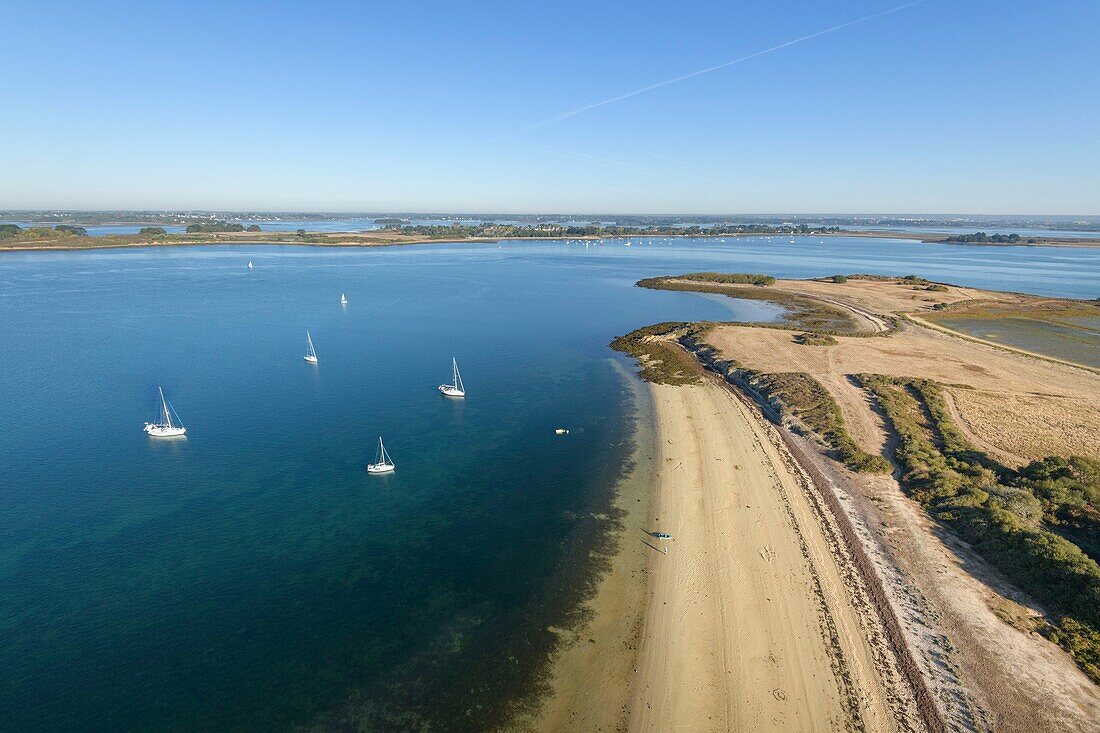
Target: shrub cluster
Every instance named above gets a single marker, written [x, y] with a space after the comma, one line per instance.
[983, 238]
[1017, 520]
[814, 339]
[805, 398]
[662, 360]
[214, 226]
[11, 231]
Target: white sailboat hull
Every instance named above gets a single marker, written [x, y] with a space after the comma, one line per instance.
[380, 468]
[449, 390]
[311, 359]
[164, 431]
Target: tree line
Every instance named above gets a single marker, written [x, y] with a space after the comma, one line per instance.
[13, 231]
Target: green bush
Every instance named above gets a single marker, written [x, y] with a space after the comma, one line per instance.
[662, 360]
[805, 398]
[1014, 519]
[814, 339]
[734, 278]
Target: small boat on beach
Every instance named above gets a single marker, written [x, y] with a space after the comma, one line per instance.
[383, 463]
[343, 299]
[311, 353]
[163, 425]
[455, 388]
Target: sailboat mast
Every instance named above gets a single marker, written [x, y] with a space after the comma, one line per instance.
[164, 407]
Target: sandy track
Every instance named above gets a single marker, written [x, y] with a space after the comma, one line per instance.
[749, 624]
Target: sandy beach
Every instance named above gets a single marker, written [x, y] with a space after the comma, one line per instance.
[750, 624]
[751, 620]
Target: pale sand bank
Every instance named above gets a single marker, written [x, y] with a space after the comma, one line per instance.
[750, 622]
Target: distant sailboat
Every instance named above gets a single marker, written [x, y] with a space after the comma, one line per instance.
[250, 264]
[311, 353]
[455, 388]
[343, 299]
[164, 427]
[383, 463]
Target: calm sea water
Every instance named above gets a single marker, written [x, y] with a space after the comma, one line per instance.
[252, 576]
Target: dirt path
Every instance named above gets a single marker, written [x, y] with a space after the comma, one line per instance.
[876, 324]
[749, 624]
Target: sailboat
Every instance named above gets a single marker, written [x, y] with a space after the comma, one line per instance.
[343, 299]
[250, 264]
[311, 353]
[164, 427]
[455, 388]
[383, 464]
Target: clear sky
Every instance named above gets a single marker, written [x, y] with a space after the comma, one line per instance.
[945, 106]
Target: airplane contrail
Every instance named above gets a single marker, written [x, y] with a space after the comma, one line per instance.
[710, 69]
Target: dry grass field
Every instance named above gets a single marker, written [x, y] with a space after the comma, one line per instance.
[1018, 407]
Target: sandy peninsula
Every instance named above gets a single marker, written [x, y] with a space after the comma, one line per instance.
[796, 593]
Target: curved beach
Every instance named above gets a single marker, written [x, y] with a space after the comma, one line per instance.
[752, 618]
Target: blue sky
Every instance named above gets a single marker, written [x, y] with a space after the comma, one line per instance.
[942, 107]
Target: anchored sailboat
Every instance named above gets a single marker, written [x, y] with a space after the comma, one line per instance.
[383, 463]
[455, 388]
[164, 427]
[250, 264]
[311, 353]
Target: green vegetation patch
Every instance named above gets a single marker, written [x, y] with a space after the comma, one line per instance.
[1056, 310]
[815, 339]
[14, 231]
[1017, 520]
[214, 226]
[805, 398]
[662, 359]
[983, 238]
[733, 278]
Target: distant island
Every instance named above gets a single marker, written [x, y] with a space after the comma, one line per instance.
[514, 231]
[218, 226]
[983, 238]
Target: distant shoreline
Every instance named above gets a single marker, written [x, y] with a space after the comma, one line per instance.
[371, 239]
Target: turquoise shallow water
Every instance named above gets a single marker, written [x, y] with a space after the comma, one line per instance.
[253, 577]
